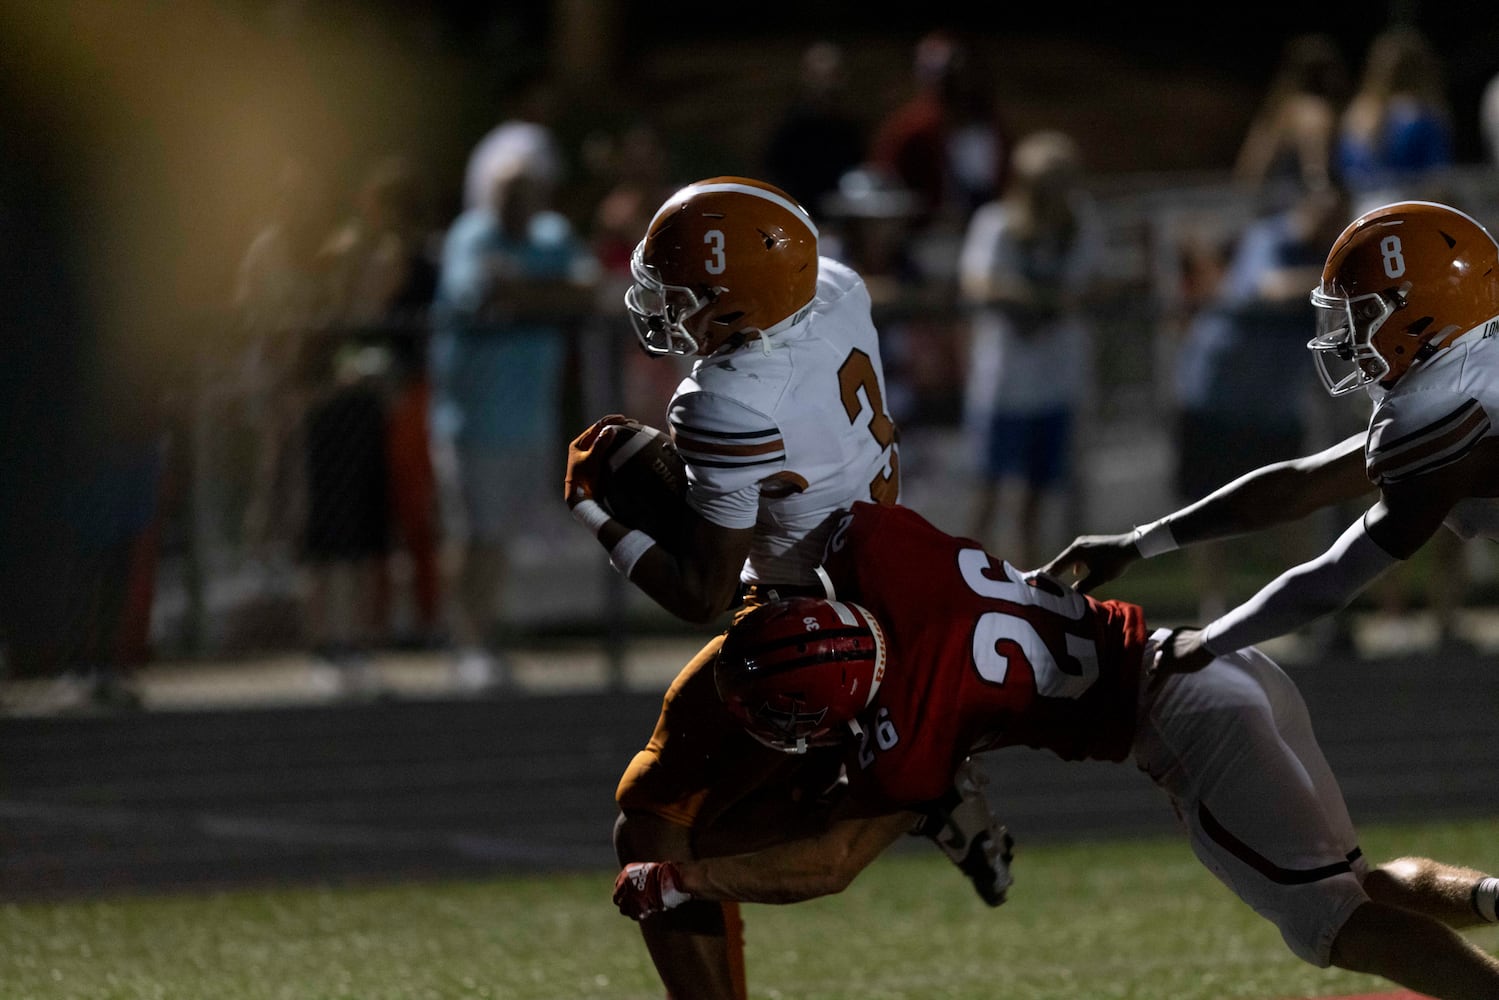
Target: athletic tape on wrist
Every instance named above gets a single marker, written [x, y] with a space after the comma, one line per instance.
[1207, 640]
[628, 550]
[1155, 538]
[591, 515]
[672, 894]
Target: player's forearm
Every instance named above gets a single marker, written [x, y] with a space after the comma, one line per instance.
[678, 589]
[798, 870]
[1302, 594]
[1275, 494]
[672, 583]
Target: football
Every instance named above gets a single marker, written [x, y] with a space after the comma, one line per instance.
[646, 486]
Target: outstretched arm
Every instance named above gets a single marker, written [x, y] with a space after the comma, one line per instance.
[1274, 494]
[1406, 516]
[786, 873]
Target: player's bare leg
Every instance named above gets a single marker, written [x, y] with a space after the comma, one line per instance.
[1415, 951]
[1458, 897]
[697, 948]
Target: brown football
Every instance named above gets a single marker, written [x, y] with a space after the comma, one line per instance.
[646, 486]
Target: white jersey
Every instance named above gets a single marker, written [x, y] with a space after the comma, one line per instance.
[1434, 416]
[782, 433]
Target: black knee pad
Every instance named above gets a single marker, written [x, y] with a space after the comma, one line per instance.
[697, 916]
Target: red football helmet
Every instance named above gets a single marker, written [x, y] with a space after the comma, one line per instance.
[795, 672]
[1401, 283]
[722, 257]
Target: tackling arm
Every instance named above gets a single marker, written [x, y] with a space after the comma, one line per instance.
[1406, 516]
[786, 873]
[1303, 594]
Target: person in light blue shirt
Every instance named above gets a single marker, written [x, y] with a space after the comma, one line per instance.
[514, 275]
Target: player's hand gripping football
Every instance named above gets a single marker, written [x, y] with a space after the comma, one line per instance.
[646, 888]
[1096, 559]
[588, 460]
[1182, 653]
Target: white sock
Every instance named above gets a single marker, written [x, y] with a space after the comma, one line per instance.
[1485, 898]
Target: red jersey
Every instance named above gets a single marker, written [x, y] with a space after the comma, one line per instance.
[978, 657]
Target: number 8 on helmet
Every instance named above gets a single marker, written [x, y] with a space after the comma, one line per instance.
[1401, 283]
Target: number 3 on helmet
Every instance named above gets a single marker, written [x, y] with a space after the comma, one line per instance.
[1401, 283]
[795, 673]
[722, 260]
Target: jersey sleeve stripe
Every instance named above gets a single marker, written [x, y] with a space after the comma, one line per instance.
[1439, 443]
[688, 430]
[709, 463]
[1437, 459]
[1453, 416]
[694, 446]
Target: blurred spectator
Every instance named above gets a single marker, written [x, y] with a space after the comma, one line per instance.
[946, 142]
[280, 297]
[346, 540]
[85, 612]
[817, 139]
[1397, 129]
[383, 282]
[1397, 141]
[638, 166]
[279, 289]
[868, 225]
[513, 274]
[1028, 261]
[377, 264]
[528, 133]
[1291, 138]
[1243, 381]
[1488, 120]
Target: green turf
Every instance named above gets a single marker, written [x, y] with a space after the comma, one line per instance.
[1106, 920]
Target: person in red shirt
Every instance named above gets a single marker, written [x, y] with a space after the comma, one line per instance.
[935, 650]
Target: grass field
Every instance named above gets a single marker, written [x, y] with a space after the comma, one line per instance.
[1104, 920]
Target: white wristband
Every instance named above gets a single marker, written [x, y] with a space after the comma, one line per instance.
[672, 897]
[1155, 538]
[591, 515]
[628, 550]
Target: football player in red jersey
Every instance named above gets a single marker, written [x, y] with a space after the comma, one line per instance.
[781, 424]
[934, 650]
[1409, 302]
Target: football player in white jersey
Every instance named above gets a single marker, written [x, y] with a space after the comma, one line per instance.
[1407, 308]
[782, 424]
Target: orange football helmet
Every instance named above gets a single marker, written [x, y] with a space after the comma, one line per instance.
[723, 259]
[796, 673]
[1401, 283]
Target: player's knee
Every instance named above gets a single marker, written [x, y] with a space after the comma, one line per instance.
[1359, 941]
[1314, 920]
[1394, 880]
[698, 916]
